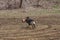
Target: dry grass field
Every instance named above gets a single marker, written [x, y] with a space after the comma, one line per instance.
[47, 28]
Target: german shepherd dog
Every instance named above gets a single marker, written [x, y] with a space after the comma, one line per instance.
[29, 21]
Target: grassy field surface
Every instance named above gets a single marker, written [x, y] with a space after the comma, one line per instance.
[17, 13]
[47, 24]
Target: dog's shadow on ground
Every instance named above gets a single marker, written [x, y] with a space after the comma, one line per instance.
[26, 28]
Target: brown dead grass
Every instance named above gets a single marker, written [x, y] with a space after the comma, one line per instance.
[47, 28]
[14, 29]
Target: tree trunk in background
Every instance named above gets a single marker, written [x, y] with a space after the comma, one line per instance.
[21, 3]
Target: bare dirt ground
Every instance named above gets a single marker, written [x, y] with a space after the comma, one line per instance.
[47, 28]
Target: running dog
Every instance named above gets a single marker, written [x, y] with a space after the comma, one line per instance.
[29, 21]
